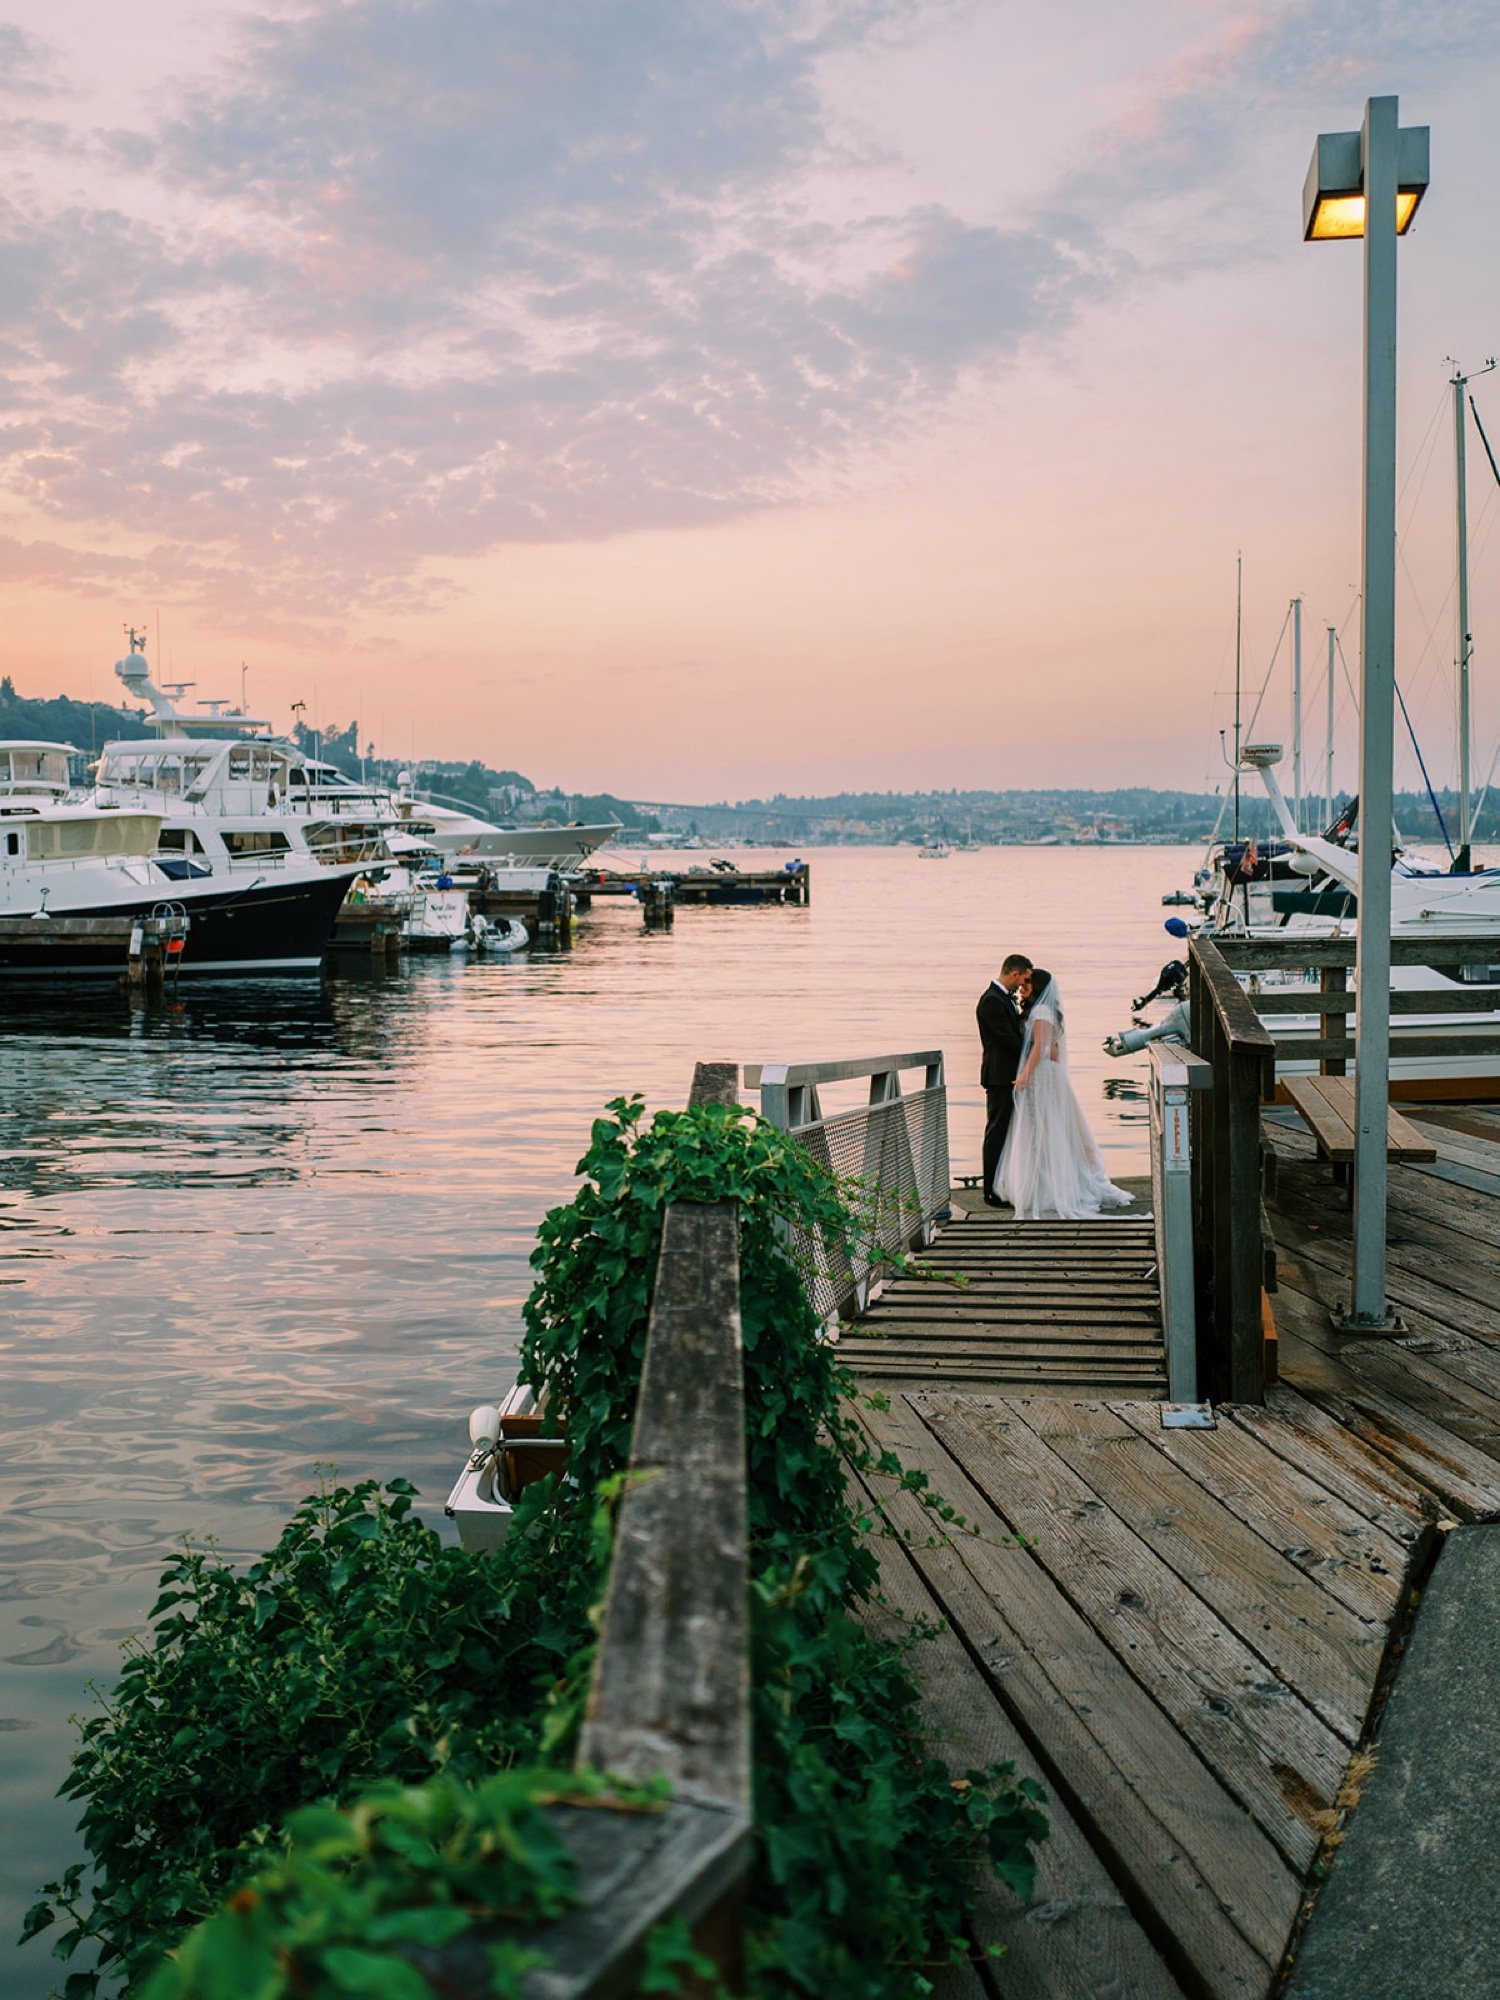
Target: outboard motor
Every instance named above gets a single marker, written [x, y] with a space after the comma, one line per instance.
[1173, 1027]
[1171, 984]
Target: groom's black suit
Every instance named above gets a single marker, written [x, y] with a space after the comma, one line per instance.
[1000, 1037]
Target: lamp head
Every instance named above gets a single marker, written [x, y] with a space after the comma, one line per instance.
[1333, 195]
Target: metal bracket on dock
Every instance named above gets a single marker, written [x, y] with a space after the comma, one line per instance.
[1188, 1417]
[1392, 1327]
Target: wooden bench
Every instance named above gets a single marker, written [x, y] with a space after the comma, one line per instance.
[1326, 1105]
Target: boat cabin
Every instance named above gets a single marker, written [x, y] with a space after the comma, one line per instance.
[35, 769]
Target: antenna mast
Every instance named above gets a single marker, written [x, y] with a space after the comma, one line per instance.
[1297, 712]
[1459, 382]
[1239, 583]
[1328, 753]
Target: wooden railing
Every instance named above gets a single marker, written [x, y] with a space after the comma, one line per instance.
[670, 1692]
[1332, 1047]
[1230, 1030]
[670, 1695]
[1230, 1256]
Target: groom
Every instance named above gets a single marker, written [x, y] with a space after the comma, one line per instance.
[999, 1020]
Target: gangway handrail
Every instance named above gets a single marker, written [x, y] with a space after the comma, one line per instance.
[891, 1152]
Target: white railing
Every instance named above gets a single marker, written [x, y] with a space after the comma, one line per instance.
[1175, 1073]
[892, 1153]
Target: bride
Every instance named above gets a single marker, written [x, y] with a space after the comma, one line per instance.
[1051, 1164]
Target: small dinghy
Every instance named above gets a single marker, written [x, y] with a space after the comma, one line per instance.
[501, 935]
[512, 1445]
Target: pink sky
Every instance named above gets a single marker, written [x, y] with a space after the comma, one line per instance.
[708, 400]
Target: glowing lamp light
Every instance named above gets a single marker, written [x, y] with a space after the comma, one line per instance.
[1333, 196]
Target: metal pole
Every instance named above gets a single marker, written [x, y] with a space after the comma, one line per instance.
[1239, 591]
[1328, 756]
[1297, 713]
[1376, 719]
[1465, 829]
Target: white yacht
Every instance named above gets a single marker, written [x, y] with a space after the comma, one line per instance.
[327, 793]
[65, 856]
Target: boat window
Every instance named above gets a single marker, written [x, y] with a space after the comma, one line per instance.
[179, 840]
[13, 843]
[241, 761]
[258, 840]
[1480, 975]
[50, 766]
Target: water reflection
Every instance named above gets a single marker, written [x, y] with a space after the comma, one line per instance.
[249, 1230]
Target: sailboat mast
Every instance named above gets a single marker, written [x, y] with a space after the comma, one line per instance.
[1239, 583]
[1328, 753]
[1297, 713]
[1461, 487]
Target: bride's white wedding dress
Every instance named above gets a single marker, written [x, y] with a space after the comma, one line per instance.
[1052, 1165]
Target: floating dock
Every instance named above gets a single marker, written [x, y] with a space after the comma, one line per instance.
[137, 951]
[791, 885]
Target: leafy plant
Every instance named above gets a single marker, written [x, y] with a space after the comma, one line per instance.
[360, 1651]
[868, 1846]
[358, 1648]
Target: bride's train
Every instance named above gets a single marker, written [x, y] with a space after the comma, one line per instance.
[1051, 1165]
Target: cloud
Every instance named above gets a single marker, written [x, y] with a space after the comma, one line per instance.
[29, 67]
[406, 281]
[1187, 150]
[439, 276]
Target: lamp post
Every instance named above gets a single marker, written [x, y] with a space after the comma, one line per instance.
[1368, 184]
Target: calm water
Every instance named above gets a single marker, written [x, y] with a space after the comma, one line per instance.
[261, 1229]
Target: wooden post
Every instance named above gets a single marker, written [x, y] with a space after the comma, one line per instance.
[1242, 1054]
[1333, 979]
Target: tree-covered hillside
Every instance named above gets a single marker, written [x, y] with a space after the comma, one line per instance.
[87, 725]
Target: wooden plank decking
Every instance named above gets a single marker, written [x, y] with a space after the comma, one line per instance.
[1182, 1633]
[1066, 1306]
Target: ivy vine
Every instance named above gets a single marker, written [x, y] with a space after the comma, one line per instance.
[346, 1740]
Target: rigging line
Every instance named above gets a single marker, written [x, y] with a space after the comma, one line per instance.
[1422, 767]
[1432, 423]
[1250, 725]
[1348, 677]
[1485, 441]
[1426, 464]
[1429, 644]
[1489, 780]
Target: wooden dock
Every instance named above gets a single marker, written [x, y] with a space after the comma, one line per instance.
[1183, 1634]
[140, 952]
[709, 886]
[1069, 1306]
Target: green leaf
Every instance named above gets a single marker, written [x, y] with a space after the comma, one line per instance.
[365, 1972]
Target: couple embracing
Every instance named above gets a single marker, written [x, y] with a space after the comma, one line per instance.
[1040, 1157]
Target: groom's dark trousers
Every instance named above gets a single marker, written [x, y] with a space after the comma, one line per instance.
[1000, 1038]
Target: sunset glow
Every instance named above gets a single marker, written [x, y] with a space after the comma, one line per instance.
[708, 400]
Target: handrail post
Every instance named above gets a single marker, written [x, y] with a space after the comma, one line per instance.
[1333, 979]
[1242, 1054]
[670, 1691]
[1177, 1075]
